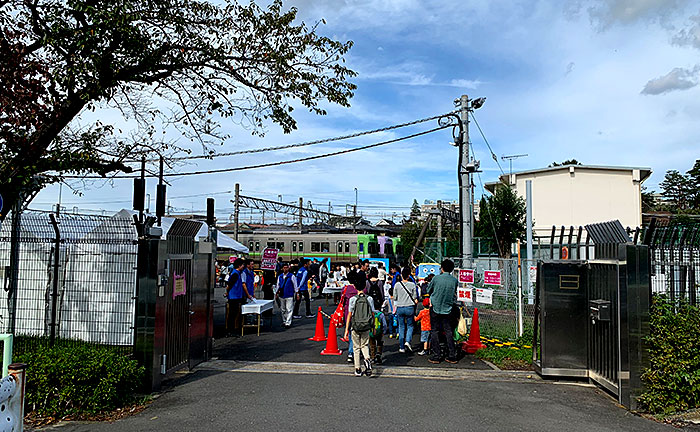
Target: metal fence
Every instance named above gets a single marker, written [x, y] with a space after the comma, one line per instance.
[68, 278]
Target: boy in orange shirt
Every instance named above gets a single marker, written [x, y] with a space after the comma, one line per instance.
[424, 318]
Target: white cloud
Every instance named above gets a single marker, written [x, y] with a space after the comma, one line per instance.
[689, 36]
[609, 12]
[677, 79]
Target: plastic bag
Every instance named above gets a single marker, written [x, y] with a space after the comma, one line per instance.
[462, 326]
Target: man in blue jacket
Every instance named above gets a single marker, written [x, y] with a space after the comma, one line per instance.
[248, 279]
[234, 294]
[302, 285]
[286, 288]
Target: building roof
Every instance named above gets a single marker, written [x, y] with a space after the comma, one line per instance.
[644, 172]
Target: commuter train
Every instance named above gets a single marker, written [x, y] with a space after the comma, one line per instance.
[339, 248]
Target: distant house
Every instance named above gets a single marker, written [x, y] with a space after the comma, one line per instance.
[385, 223]
[580, 194]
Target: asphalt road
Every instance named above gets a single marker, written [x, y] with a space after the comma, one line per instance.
[209, 400]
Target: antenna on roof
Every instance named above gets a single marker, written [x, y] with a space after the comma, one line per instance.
[510, 160]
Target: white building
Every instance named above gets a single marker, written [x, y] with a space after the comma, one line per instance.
[574, 195]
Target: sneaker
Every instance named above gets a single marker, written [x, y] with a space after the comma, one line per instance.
[297, 317]
[434, 360]
[452, 360]
[401, 350]
[391, 336]
[368, 367]
[378, 360]
[421, 352]
[350, 359]
[358, 372]
[408, 347]
[309, 316]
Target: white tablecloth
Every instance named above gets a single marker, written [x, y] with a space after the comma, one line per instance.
[256, 307]
[332, 289]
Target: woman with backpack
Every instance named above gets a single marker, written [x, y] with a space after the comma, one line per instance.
[361, 321]
[376, 287]
[406, 301]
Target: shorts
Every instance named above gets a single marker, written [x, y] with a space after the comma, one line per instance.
[425, 335]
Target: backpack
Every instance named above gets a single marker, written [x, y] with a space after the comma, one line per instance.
[362, 318]
[375, 292]
[377, 328]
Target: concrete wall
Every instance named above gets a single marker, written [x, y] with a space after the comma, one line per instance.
[578, 196]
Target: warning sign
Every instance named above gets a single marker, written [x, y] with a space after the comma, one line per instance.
[466, 276]
[464, 294]
[492, 277]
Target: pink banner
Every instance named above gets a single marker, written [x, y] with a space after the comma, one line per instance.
[269, 259]
[466, 276]
[492, 277]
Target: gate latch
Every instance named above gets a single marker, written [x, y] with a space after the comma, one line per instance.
[599, 310]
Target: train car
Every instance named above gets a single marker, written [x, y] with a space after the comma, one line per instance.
[338, 248]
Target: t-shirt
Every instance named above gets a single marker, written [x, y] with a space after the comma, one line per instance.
[351, 305]
[405, 297]
[424, 318]
[443, 293]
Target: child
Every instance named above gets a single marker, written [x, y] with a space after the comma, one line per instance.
[376, 337]
[389, 309]
[424, 318]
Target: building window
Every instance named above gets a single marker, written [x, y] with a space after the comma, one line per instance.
[325, 247]
[301, 246]
[280, 246]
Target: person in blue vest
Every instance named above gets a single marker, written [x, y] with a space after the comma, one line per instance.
[285, 291]
[234, 294]
[303, 286]
[248, 279]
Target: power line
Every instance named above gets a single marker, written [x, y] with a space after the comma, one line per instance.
[493, 155]
[302, 144]
[270, 164]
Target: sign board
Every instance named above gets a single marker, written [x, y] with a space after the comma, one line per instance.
[533, 274]
[464, 294]
[179, 284]
[320, 260]
[484, 295]
[426, 269]
[374, 262]
[492, 277]
[269, 259]
[231, 259]
[466, 276]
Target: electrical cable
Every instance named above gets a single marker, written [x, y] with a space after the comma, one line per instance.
[270, 164]
[483, 192]
[302, 144]
[493, 155]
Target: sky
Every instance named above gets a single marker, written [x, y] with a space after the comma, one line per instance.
[607, 82]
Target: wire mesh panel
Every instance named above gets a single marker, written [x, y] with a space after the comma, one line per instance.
[94, 281]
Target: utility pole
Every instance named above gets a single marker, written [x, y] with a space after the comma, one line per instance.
[301, 210]
[465, 186]
[354, 214]
[236, 209]
[439, 230]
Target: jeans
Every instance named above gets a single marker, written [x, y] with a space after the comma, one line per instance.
[441, 323]
[297, 302]
[389, 324]
[405, 314]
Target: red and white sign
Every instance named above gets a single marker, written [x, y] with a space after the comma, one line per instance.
[464, 294]
[484, 295]
[466, 276]
[269, 259]
[231, 259]
[492, 277]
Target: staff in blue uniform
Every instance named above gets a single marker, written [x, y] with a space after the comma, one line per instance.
[302, 285]
[248, 278]
[234, 294]
[286, 288]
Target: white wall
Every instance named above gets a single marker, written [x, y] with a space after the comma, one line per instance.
[582, 196]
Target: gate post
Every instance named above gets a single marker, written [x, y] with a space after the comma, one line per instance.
[54, 290]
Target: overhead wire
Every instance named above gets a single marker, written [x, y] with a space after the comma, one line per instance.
[488, 210]
[271, 164]
[493, 155]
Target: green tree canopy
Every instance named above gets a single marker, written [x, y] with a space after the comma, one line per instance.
[566, 162]
[502, 219]
[182, 64]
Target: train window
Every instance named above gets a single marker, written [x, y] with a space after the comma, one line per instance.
[280, 246]
[294, 246]
[270, 245]
[360, 247]
[347, 247]
[399, 249]
[325, 247]
[250, 246]
[315, 247]
[372, 248]
[301, 246]
[340, 247]
[257, 246]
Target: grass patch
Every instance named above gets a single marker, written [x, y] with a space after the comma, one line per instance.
[513, 355]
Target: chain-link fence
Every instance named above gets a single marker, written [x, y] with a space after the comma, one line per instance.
[70, 277]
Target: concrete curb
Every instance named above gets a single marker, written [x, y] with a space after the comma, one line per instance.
[379, 371]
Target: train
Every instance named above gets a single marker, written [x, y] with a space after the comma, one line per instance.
[339, 248]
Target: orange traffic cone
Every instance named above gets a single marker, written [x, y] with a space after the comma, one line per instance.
[320, 334]
[331, 342]
[474, 342]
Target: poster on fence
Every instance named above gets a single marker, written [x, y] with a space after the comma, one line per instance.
[533, 274]
[484, 295]
[179, 284]
[466, 276]
[464, 294]
[492, 277]
[269, 259]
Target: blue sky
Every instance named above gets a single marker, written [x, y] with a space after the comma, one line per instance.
[608, 82]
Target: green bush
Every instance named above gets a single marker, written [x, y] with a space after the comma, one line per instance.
[673, 378]
[78, 379]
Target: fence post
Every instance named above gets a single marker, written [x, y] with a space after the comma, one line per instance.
[14, 266]
[54, 290]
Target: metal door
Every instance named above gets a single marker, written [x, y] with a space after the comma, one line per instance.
[603, 333]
